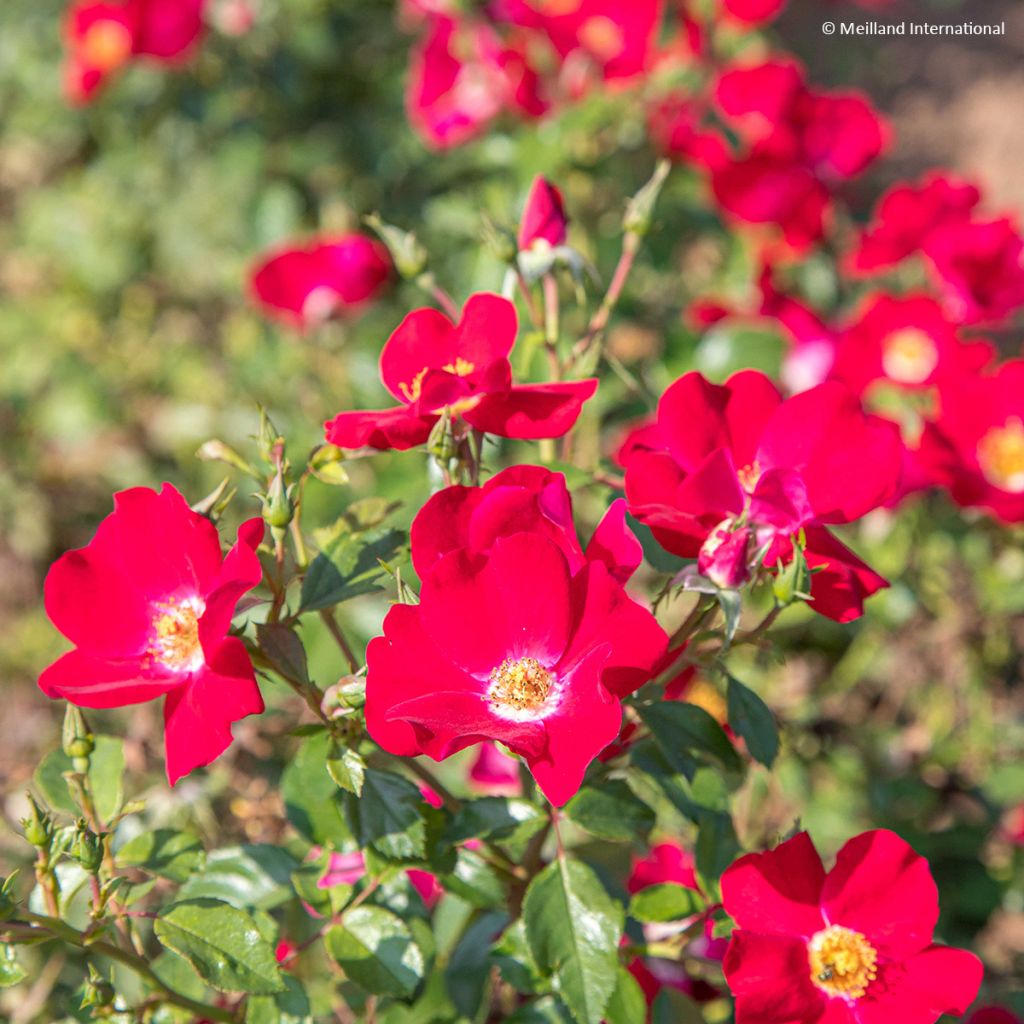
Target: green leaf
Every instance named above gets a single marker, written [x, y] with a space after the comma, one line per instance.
[611, 811]
[574, 927]
[311, 799]
[511, 954]
[282, 647]
[348, 566]
[627, 1004]
[678, 727]
[475, 881]
[106, 775]
[665, 902]
[223, 945]
[346, 767]
[387, 816]
[466, 974]
[288, 1007]
[376, 950]
[717, 846]
[11, 972]
[169, 854]
[244, 876]
[495, 817]
[752, 719]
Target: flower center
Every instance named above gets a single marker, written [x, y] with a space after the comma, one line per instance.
[909, 356]
[748, 476]
[843, 962]
[106, 45]
[522, 684]
[1001, 456]
[461, 368]
[175, 643]
[602, 37]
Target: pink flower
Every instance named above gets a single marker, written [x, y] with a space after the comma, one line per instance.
[462, 77]
[307, 284]
[148, 605]
[854, 945]
[520, 499]
[736, 455]
[494, 772]
[753, 12]
[342, 869]
[511, 646]
[430, 364]
[975, 445]
[102, 37]
[544, 218]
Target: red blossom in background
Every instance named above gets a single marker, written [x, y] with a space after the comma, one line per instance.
[102, 37]
[853, 946]
[975, 445]
[753, 12]
[671, 863]
[724, 457]
[148, 605]
[430, 364]
[511, 646]
[307, 284]
[907, 341]
[494, 772]
[463, 76]
[799, 145]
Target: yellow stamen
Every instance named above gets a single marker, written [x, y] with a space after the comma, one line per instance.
[909, 356]
[843, 963]
[748, 476]
[1001, 456]
[106, 45]
[519, 685]
[175, 642]
[602, 37]
[461, 368]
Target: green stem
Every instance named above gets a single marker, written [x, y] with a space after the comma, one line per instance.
[339, 638]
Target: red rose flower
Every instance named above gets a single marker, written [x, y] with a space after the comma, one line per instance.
[854, 945]
[544, 218]
[511, 646]
[753, 12]
[103, 37]
[520, 499]
[906, 341]
[800, 144]
[975, 446]
[462, 76]
[430, 364]
[494, 772]
[979, 269]
[908, 214]
[148, 604]
[307, 284]
[737, 455]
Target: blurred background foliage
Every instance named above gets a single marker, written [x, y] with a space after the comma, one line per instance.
[127, 340]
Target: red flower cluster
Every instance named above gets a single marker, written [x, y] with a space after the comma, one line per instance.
[103, 37]
[305, 285]
[520, 636]
[430, 364]
[976, 262]
[148, 605]
[469, 68]
[853, 946]
[730, 471]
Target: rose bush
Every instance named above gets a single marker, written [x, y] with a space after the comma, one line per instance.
[472, 704]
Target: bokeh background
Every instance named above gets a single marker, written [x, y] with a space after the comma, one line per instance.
[127, 339]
